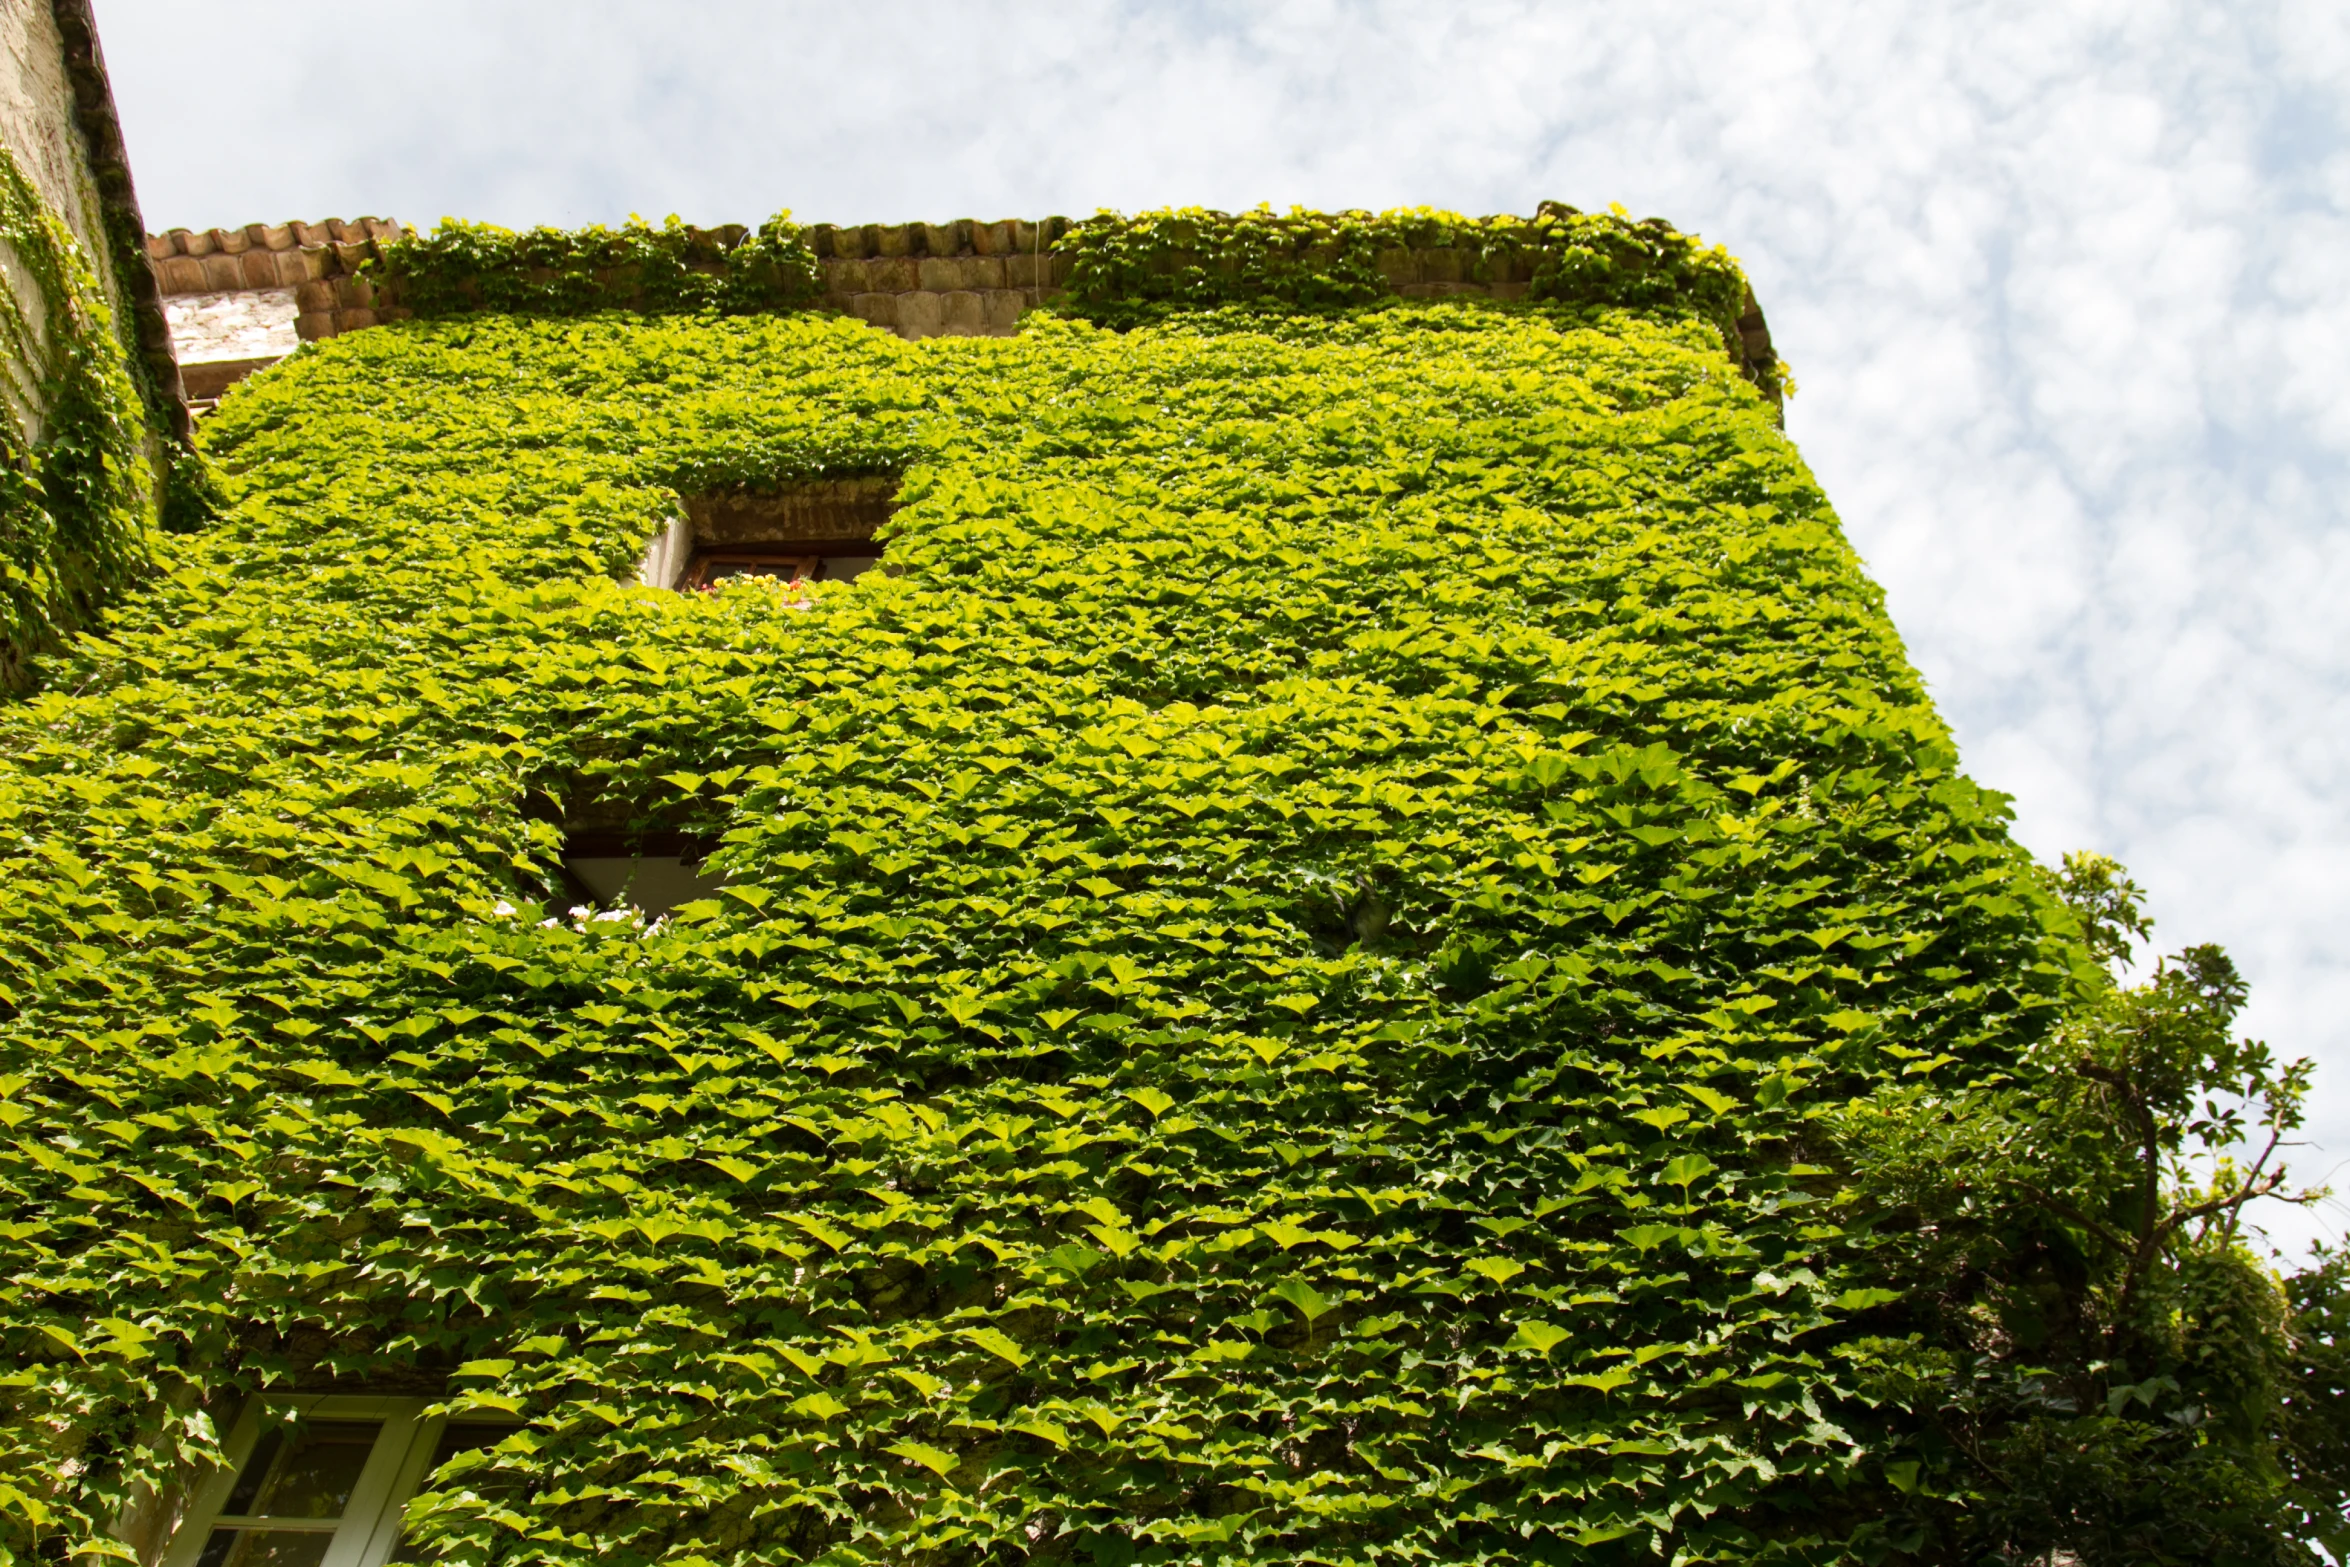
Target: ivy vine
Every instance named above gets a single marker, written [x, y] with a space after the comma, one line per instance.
[76, 484]
[1130, 269]
[462, 267]
[1126, 270]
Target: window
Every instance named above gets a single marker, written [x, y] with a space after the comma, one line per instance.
[318, 1481]
[831, 560]
[820, 532]
[650, 872]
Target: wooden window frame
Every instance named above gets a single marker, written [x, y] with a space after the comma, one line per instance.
[368, 1532]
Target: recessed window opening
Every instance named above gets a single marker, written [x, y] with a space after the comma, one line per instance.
[650, 872]
[318, 1481]
[825, 531]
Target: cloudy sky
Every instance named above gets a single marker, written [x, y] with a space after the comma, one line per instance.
[2066, 284]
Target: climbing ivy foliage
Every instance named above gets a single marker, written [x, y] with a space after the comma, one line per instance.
[464, 266]
[1124, 270]
[1274, 995]
[1140, 267]
[75, 481]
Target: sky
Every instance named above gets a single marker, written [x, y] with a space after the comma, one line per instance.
[2065, 286]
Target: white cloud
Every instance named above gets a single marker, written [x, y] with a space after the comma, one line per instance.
[2065, 285]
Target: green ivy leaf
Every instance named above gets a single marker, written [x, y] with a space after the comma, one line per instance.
[998, 1344]
[937, 1460]
[1541, 1337]
[1308, 1302]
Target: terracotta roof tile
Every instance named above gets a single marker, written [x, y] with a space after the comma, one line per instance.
[296, 235]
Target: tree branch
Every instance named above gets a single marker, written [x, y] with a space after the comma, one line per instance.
[2066, 1211]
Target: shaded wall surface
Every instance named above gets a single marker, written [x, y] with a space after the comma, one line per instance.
[57, 117]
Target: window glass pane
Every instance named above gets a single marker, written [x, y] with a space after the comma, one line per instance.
[317, 1464]
[789, 567]
[257, 1467]
[264, 1548]
[847, 568]
[651, 884]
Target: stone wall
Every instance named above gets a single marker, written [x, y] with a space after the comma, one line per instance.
[960, 279]
[223, 337]
[37, 109]
[57, 117]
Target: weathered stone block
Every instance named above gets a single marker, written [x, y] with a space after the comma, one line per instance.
[1441, 265]
[354, 321]
[224, 274]
[189, 243]
[963, 314]
[1398, 267]
[317, 294]
[308, 234]
[987, 272]
[181, 275]
[160, 247]
[842, 278]
[995, 239]
[351, 253]
[354, 293]
[945, 274]
[876, 309]
[893, 274]
[260, 268]
[892, 239]
[1002, 307]
[947, 239]
[234, 242]
[311, 325]
[1509, 290]
[921, 315]
[1021, 269]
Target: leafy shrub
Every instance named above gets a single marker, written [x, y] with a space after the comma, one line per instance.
[2111, 1372]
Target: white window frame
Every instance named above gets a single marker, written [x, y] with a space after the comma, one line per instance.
[369, 1530]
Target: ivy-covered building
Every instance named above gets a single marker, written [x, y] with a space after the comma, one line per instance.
[1193, 888]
